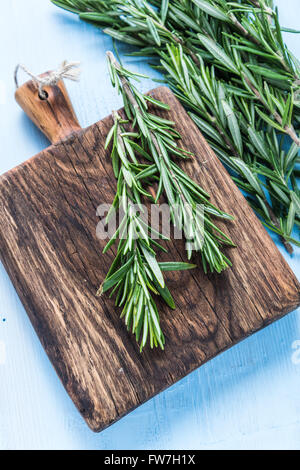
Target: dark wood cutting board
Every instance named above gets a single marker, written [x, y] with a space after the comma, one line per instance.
[49, 247]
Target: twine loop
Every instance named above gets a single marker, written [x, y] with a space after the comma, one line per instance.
[67, 70]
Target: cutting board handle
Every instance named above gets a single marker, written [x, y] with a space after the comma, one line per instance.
[54, 115]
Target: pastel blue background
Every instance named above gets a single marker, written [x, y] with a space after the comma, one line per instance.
[247, 398]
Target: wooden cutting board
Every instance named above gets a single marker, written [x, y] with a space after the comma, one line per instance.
[49, 247]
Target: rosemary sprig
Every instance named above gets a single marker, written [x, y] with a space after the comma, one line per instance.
[228, 64]
[135, 275]
[189, 204]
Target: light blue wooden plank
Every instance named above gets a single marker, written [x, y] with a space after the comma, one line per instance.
[246, 398]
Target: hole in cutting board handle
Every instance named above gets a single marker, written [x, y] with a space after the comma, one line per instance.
[43, 97]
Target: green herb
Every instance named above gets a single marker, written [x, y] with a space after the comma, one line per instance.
[189, 204]
[135, 275]
[228, 64]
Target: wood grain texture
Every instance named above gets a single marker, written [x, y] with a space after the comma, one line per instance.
[54, 116]
[49, 247]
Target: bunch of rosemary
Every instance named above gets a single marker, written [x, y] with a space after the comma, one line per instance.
[135, 273]
[228, 64]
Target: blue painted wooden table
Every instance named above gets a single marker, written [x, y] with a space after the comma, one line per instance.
[247, 398]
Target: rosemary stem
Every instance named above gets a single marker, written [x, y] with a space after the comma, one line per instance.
[241, 28]
[289, 130]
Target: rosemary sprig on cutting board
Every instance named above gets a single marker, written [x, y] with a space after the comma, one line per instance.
[143, 154]
[228, 64]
